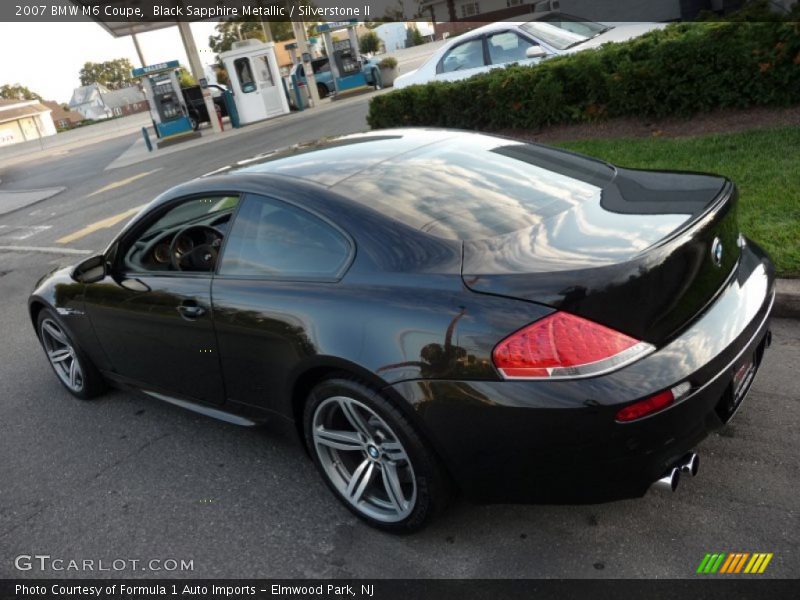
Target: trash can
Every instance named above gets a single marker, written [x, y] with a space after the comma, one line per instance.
[230, 105]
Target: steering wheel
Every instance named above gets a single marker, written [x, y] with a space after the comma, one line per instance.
[203, 255]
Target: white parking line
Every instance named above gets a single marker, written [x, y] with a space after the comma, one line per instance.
[43, 249]
[22, 232]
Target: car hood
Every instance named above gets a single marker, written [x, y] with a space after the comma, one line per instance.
[620, 33]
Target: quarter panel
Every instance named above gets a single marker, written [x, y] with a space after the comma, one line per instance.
[270, 331]
[66, 297]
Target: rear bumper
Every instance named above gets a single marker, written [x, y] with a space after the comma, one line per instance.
[557, 441]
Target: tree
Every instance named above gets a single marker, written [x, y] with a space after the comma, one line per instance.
[185, 78]
[222, 76]
[17, 91]
[396, 12]
[250, 27]
[114, 74]
[369, 42]
[414, 37]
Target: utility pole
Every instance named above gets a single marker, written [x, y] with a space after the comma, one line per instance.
[267, 31]
[138, 49]
[299, 29]
[265, 26]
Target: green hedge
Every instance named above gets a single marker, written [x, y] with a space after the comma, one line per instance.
[683, 69]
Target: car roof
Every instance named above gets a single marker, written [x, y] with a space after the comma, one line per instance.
[336, 159]
[331, 162]
[507, 24]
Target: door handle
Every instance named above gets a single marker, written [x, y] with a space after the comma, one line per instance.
[191, 311]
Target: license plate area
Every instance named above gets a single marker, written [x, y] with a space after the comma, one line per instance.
[742, 375]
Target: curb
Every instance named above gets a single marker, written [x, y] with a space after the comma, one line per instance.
[787, 299]
[24, 198]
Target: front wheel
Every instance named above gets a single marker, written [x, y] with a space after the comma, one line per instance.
[73, 368]
[372, 458]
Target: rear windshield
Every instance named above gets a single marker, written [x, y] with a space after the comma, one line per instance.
[475, 186]
[563, 31]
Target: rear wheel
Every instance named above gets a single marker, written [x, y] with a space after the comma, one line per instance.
[73, 368]
[371, 457]
[322, 90]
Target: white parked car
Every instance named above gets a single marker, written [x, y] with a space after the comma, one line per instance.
[508, 42]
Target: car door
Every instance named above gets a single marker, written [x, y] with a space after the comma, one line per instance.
[154, 323]
[463, 60]
[275, 285]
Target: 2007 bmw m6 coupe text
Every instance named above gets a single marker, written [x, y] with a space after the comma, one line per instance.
[437, 312]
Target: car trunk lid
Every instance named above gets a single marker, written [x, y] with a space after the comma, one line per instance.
[644, 255]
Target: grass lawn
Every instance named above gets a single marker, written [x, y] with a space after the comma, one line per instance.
[764, 164]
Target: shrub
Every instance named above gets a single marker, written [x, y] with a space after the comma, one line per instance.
[369, 43]
[681, 70]
[389, 62]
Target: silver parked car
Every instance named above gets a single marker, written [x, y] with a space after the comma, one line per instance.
[509, 42]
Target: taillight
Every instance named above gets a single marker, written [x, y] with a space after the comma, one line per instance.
[564, 346]
[642, 408]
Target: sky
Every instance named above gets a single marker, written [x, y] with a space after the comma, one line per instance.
[47, 57]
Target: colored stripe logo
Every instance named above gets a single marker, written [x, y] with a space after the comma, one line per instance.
[734, 562]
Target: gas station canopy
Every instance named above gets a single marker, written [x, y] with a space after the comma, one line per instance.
[124, 28]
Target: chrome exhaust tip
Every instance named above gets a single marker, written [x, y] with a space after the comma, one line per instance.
[669, 482]
[690, 464]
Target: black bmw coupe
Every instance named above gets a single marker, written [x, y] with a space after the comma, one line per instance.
[436, 312]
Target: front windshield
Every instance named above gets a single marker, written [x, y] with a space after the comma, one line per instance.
[191, 211]
[562, 31]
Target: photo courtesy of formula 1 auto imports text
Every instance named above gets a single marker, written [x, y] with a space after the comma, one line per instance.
[391, 299]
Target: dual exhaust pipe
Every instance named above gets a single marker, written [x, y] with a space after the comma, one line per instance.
[688, 465]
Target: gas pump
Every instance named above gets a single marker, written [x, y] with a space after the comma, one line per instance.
[346, 64]
[163, 92]
[346, 59]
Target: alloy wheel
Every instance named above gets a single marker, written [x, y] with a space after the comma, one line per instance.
[61, 355]
[364, 459]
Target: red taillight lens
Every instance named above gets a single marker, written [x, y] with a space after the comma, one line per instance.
[642, 408]
[565, 346]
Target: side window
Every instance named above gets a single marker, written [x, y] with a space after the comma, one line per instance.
[181, 236]
[468, 55]
[322, 66]
[245, 74]
[507, 47]
[271, 238]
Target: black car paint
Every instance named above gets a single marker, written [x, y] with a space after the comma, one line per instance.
[403, 319]
[672, 280]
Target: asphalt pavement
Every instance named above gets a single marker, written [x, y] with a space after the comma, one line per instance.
[127, 477]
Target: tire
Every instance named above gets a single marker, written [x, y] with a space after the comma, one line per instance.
[83, 381]
[194, 122]
[378, 465]
[322, 90]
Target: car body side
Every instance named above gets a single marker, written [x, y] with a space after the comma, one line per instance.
[427, 72]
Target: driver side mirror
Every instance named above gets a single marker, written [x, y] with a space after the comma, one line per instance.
[91, 270]
[535, 52]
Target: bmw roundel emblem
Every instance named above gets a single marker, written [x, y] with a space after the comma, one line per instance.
[716, 252]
